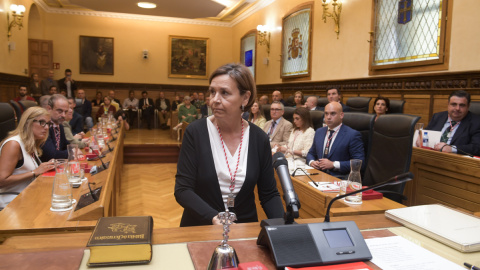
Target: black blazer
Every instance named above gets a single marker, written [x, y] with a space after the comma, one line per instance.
[167, 102]
[197, 188]
[63, 86]
[467, 136]
[76, 123]
[142, 102]
[50, 147]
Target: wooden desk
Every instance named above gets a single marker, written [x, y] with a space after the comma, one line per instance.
[314, 203]
[449, 179]
[30, 211]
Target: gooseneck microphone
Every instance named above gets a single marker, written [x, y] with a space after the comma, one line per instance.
[398, 179]
[289, 196]
[103, 164]
[306, 174]
[461, 151]
[94, 196]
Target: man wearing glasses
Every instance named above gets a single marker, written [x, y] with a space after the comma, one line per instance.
[56, 144]
[278, 129]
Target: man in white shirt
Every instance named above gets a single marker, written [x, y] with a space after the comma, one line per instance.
[130, 105]
[278, 129]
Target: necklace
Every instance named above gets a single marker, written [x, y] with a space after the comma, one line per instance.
[231, 197]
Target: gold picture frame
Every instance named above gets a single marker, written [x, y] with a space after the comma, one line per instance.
[188, 57]
[96, 55]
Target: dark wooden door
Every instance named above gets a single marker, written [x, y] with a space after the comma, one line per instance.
[40, 57]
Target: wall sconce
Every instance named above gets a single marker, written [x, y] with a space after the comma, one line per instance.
[17, 13]
[264, 36]
[337, 9]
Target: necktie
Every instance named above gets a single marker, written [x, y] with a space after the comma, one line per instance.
[444, 137]
[272, 128]
[327, 146]
[57, 136]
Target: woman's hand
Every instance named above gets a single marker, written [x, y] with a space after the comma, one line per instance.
[44, 167]
[282, 149]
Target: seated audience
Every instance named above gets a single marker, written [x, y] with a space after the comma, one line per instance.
[298, 99]
[48, 83]
[186, 113]
[98, 99]
[56, 144]
[76, 121]
[106, 108]
[176, 103]
[381, 106]
[301, 138]
[333, 94]
[257, 116]
[206, 109]
[111, 93]
[200, 101]
[311, 103]
[35, 87]
[336, 144]
[44, 101]
[206, 186]
[277, 96]
[460, 128]
[22, 94]
[52, 90]
[163, 106]
[147, 106]
[20, 151]
[73, 139]
[84, 108]
[278, 129]
[263, 100]
[130, 104]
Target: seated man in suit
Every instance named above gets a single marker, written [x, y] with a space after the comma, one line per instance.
[333, 94]
[278, 129]
[76, 124]
[146, 104]
[460, 128]
[56, 144]
[334, 145]
[84, 108]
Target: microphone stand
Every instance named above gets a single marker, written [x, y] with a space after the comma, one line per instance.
[392, 181]
[293, 174]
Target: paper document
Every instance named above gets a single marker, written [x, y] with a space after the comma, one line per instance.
[433, 137]
[397, 253]
[325, 186]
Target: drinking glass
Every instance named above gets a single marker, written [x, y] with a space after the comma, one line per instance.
[62, 189]
[355, 182]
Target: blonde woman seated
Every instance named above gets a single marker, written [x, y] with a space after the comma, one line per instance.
[20, 151]
[256, 115]
[301, 138]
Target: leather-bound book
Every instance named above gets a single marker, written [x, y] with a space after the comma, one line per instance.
[121, 241]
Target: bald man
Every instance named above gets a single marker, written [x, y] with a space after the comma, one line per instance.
[334, 145]
[277, 96]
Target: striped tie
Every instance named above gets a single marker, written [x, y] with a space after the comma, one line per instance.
[57, 136]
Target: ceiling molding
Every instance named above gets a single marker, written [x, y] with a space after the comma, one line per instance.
[251, 10]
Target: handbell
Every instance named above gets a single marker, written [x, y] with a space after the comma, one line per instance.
[223, 257]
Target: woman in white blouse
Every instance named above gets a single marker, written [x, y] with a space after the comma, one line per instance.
[301, 138]
[20, 151]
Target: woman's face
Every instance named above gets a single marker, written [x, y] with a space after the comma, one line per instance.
[255, 108]
[225, 98]
[69, 115]
[298, 99]
[106, 101]
[39, 132]
[380, 107]
[297, 120]
[187, 101]
[99, 95]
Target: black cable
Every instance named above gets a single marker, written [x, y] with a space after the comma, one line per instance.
[293, 174]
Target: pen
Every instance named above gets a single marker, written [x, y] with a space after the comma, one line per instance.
[471, 267]
[314, 173]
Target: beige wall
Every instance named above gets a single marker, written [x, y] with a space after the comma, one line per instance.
[332, 58]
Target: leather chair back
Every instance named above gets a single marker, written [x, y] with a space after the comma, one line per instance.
[359, 104]
[391, 151]
[317, 119]
[322, 101]
[396, 106]
[363, 123]
[290, 101]
[475, 107]
[7, 120]
[18, 108]
[266, 111]
[288, 114]
[28, 103]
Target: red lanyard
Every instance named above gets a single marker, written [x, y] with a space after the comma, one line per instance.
[232, 178]
[452, 128]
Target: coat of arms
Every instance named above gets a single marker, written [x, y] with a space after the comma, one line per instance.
[295, 45]
[122, 227]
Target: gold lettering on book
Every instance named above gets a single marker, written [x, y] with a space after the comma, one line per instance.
[120, 237]
[122, 227]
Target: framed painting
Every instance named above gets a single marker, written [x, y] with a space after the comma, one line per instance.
[296, 43]
[96, 55]
[248, 50]
[188, 57]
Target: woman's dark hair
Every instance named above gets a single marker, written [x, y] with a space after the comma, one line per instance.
[302, 101]
[242, 77]
[304, 114]
[260, 111]
[387, 103]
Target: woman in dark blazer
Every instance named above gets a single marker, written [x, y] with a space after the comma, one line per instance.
[206, 177]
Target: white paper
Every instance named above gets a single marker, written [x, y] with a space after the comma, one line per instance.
[397, 253]
[433, 137]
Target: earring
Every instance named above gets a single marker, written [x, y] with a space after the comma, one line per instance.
[243, 108]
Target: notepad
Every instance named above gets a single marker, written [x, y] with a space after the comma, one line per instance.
[446, 225]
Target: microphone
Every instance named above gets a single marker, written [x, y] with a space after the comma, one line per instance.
[109, 148]
[104, 166]
[289, 196]
[460, 150]
[398, 179]
[94, 196]
[293, 174]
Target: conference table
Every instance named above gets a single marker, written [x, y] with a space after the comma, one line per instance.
[30, 211]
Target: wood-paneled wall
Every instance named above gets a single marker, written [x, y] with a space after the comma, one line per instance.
[424, 94]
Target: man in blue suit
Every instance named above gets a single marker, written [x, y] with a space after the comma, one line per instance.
[334, 145]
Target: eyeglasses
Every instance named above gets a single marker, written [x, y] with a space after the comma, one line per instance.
[275, 109]
[42, 123]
